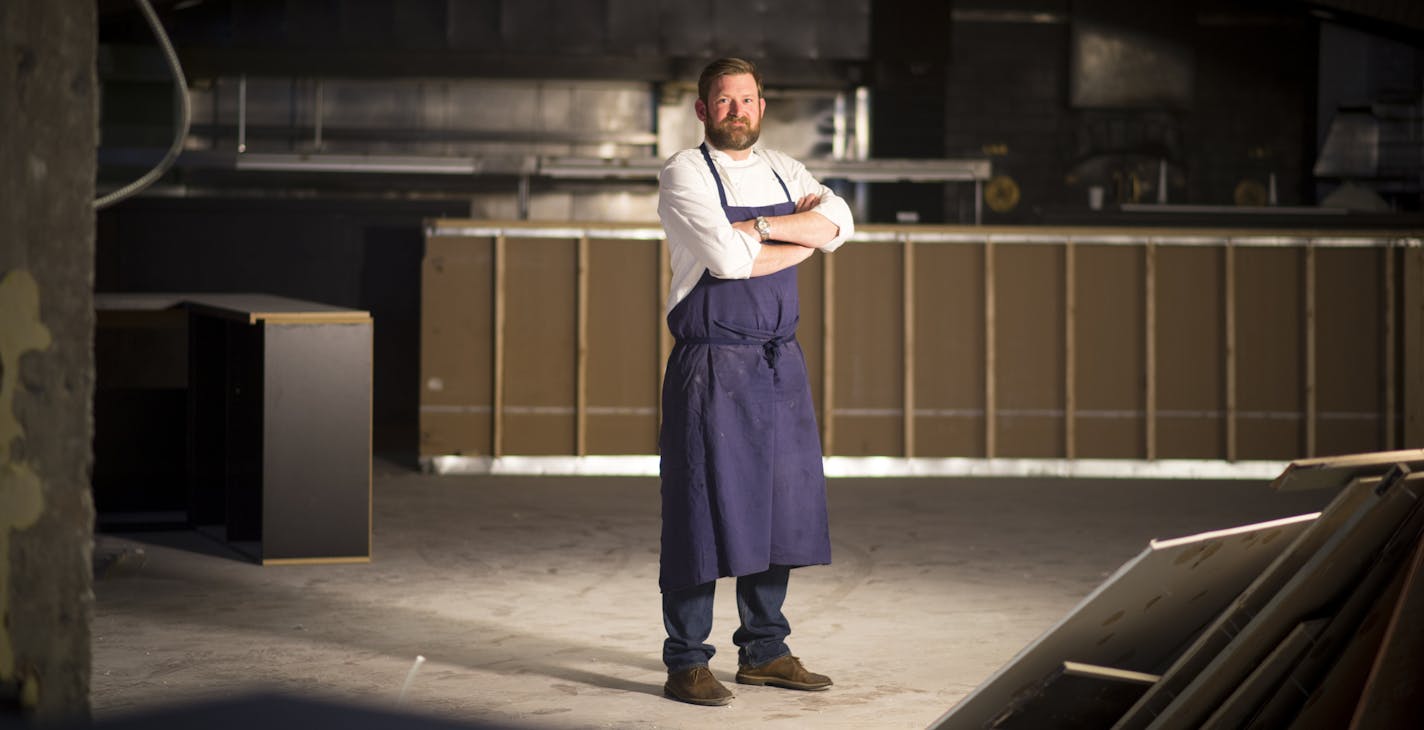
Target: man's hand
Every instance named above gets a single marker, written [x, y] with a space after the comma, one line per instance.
[807, 203]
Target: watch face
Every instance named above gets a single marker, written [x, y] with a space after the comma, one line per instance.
[762, 226]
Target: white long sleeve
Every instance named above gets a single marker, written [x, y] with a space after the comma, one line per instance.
[698, 234]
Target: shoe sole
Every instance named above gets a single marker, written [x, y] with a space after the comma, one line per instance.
[784, 684]
[691, 701]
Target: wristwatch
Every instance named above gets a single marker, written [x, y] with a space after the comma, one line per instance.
[763, 227]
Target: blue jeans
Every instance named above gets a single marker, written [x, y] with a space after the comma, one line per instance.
[687, 615]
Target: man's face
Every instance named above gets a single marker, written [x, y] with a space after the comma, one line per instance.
[731, 113]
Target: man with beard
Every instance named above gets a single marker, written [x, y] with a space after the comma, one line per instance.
[743, 493]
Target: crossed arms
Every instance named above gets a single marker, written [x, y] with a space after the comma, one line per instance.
[795, 237]
[700, 236]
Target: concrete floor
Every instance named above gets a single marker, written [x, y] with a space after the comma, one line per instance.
[534, 600]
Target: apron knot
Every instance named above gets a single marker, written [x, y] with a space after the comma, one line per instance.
[771, 350]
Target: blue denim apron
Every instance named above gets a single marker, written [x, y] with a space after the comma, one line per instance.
[742, 485]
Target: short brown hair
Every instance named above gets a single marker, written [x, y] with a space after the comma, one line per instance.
[726, 67]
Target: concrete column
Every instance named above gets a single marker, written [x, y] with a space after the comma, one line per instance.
[48, 121]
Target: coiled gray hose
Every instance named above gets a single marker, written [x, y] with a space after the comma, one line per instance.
[185, 114]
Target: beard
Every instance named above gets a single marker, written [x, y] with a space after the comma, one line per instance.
[725, 135]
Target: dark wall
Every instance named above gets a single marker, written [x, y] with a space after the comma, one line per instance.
[1253, 112]
[1249, 75]
[1006, 97]
[359, 254]
[911, 55]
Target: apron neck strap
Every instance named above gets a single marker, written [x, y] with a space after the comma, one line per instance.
[717, 178]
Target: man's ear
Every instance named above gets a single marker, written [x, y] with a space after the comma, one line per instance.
[701, 108]
[762, 111]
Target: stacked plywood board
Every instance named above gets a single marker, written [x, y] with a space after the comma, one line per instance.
[1315, 621]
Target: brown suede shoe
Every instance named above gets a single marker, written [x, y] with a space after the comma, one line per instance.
[784, 671]
[696, 686]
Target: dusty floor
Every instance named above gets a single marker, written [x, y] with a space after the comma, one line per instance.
[534, 600]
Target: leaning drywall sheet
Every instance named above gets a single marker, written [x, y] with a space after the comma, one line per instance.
[1263, 681]
[1075, 696]
[1394, 690]
[1336, 565]
[1334, 673]
[1341, 662]
[1349, 504]
[1139, 616]
[1302, 687]
[1334, 471]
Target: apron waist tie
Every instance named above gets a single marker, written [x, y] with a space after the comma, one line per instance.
[770, 349]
